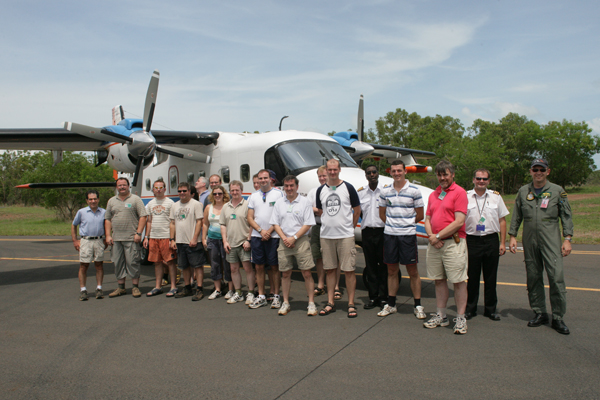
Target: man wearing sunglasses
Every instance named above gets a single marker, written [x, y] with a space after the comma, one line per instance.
[485, 219]
[539, 205]
[186, 225]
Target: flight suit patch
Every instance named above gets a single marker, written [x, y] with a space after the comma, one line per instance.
[530, 196]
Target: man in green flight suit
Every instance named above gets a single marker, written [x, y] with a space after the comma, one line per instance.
[540, 205]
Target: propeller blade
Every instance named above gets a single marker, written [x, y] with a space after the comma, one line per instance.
[151, 101]
[138, 168]
[95, 133]
[360, 124]
[185, 154]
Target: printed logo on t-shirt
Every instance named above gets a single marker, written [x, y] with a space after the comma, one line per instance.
[183, 213]
[332, 205]
[158, 210]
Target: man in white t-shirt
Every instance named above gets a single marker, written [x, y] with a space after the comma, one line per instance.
[157, 238]
[186, 225]
[339, 205]
[265, 240]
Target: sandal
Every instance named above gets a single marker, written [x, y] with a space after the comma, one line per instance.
[154, 292]
[319, 291]
[324, 311]
[172, 292]
[352, 311]
[337, 294]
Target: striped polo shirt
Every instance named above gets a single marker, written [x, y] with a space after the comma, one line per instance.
[400, 207]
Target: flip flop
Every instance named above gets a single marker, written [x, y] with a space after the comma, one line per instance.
[154, 292]
[171, 292]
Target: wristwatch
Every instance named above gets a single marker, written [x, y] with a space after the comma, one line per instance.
[568, 238]
[137, 233]
[437, 236]
[259, 230]
[295, 237]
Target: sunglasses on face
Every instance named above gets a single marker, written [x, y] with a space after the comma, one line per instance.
[481, 179]
[217, 194]
[538, 169]
[159, 188]
[182, 191]
[371, 172]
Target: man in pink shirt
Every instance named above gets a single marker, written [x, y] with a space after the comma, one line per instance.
[447, 249]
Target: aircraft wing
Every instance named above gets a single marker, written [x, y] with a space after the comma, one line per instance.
[389, 151]
[183, 137]
[47, 139]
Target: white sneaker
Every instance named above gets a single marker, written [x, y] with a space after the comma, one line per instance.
[235, 298]
[312, 310]
[214, 295]
[420, 312]
[249, 298]
[258, 302]
[387, 310]
[461, 326]
[276, 302]
[284, 308]
[435, 321]
[229, 294]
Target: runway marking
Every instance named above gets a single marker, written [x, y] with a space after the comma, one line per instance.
[519, 284]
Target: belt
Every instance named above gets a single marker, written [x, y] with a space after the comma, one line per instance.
[92, 237]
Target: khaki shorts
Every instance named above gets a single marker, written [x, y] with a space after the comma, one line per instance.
[237, 254]
[160, 251]
[91, 250]
[339, 251]
[300, 251]
[450, 262]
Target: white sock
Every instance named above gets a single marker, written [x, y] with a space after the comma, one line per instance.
[99, 287]
[83, 288]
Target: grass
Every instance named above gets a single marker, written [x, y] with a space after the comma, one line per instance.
[585, 205]
[31, 221]
[37, 221]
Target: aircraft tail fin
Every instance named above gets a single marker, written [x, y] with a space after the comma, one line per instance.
[117, 114]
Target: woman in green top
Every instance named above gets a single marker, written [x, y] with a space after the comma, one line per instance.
[212, 240]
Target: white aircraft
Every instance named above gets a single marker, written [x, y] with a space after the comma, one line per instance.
[130, 146]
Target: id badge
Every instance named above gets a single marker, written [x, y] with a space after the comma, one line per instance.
[233, 216]
[442, 195]
[545, 203]
[480, 228]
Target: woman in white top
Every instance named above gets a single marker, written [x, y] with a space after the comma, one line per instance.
[212, 240]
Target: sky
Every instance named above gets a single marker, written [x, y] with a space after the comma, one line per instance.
[237, 66]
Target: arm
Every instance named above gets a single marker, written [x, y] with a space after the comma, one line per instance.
[355, 216]
[515, 222]
[140, 228]
[420, 213]
[564, 212]
[108, 231]
[74, 237]
[459, 221]
[172, 242]
[194, 241]
[382, 215]
[502, 236]
[285, 239]
[205, 230]
[224, 235]
[148, 229]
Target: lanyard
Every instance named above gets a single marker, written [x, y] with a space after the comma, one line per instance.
[482, 208]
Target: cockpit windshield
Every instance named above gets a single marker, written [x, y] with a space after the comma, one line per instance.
[295, 157]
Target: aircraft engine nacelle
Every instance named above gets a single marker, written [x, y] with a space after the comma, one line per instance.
[349, 140]
[120, 158]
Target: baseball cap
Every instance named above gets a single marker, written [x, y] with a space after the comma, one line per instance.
[539, 161]
[272, 174]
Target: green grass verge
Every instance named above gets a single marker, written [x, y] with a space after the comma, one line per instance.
[31, 221]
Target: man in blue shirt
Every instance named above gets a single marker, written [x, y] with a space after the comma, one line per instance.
[92, 243]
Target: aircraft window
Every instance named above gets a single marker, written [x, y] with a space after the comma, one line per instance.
[174, 178]
[201, 173]
[225, 174]
[300, 156]
[160, 178]
[190, 178]
[245, 172]
[148, 187]
[273, 162]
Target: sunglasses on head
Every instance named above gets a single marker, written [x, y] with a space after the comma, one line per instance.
[538, 169]
[481, 179]
[182, 191]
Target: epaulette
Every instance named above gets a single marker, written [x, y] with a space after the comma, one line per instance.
[361, 188]
[386, 186]
[496, 192]
[563, 194]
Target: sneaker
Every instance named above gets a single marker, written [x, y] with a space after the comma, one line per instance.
[460, 328]
[215, 295]
[270, 297]
[198, 296]
[276, 301]
[258, 302]
[249, 298]
[118, 292]
[436, 321]
[235, 298]
[312, 310]
[284, 309]
[135, 292]
[229, 294]
[183, 293]
[420, 312]
[83, 295]
[99, 294]
[387, 310]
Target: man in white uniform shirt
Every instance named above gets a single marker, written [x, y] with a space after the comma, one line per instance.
[485, 219]
[401, 207]
[375, 274]
[292, 218]
[339, 205]
[265, 240]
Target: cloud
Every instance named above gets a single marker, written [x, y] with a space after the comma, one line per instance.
[502, 108]
[595, 125]
[528, 88]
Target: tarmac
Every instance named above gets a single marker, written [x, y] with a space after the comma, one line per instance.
[56, 347]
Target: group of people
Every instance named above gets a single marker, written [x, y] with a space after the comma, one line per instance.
[272, 230]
